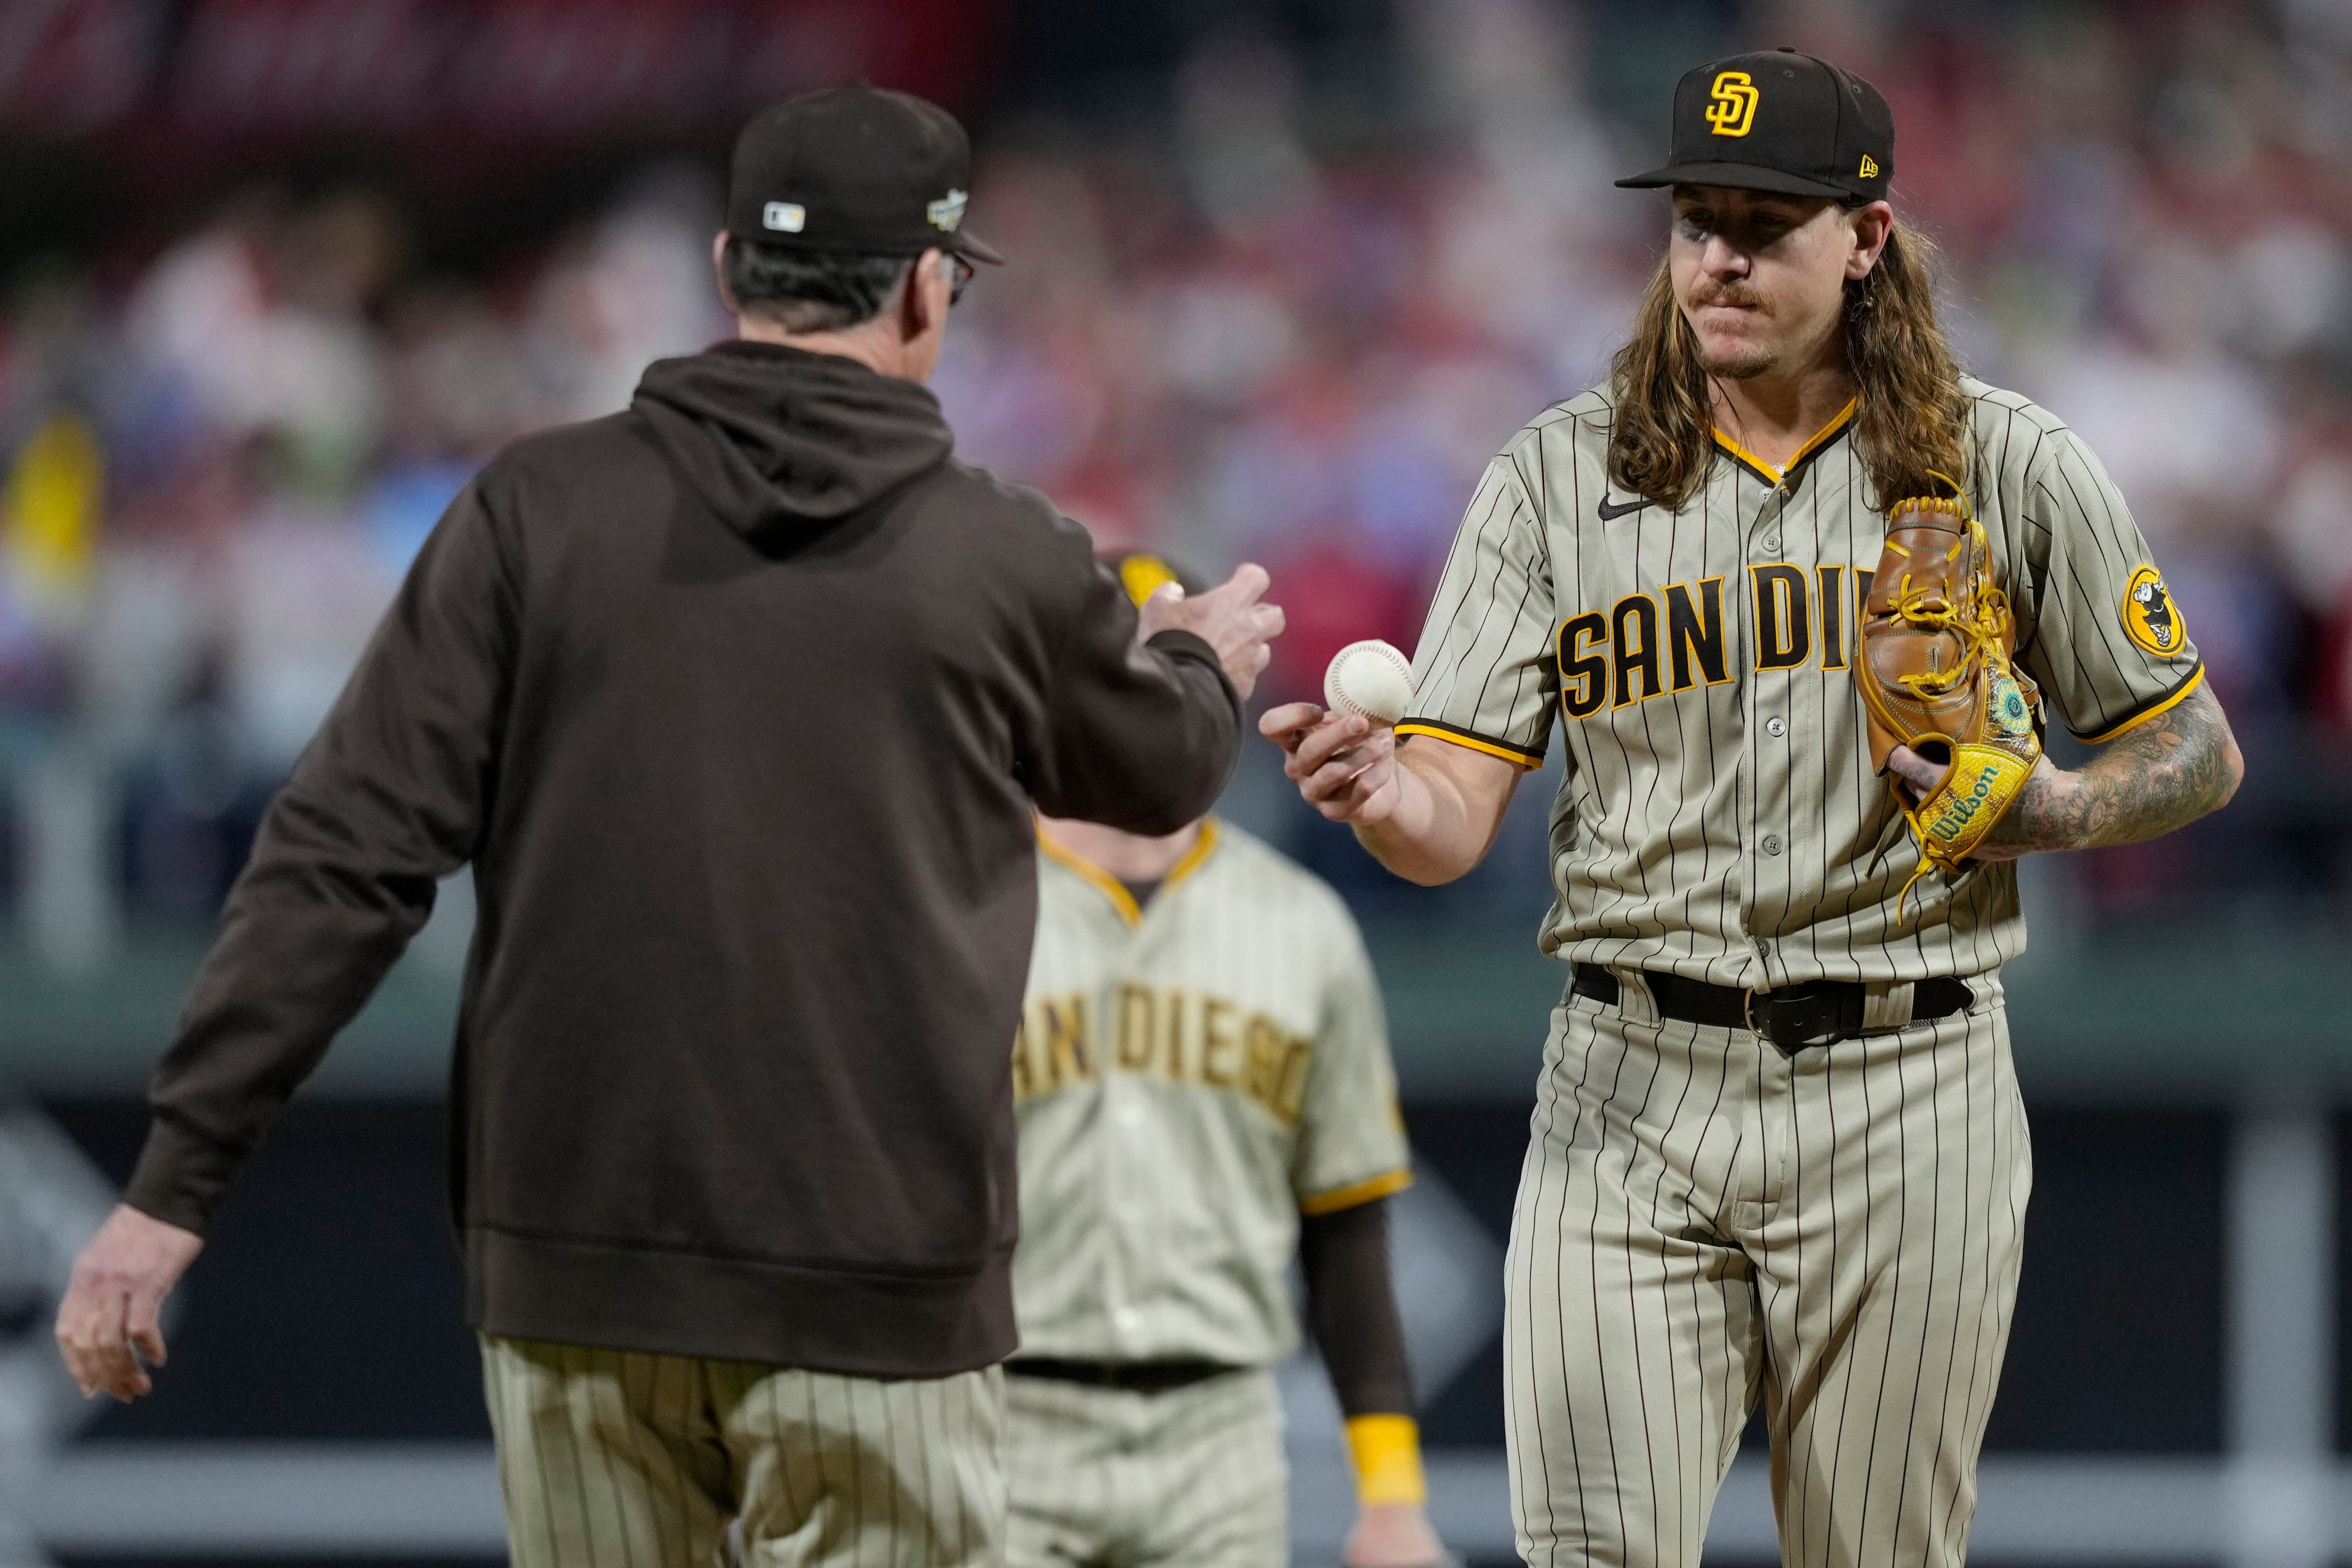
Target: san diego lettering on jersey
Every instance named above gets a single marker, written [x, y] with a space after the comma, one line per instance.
[1164, 1032]
[1654, 643]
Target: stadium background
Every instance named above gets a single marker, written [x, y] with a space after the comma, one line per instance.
[276, 275]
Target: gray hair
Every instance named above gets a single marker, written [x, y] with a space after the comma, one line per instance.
[811, 290]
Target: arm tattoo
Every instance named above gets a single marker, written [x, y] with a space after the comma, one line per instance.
[2162, 775]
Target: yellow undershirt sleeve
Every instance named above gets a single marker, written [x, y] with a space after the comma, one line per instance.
[1386, 1450]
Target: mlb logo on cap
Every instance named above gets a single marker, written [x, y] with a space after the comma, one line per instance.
[786, 216]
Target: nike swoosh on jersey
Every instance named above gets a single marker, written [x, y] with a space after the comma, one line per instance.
[1610, 508]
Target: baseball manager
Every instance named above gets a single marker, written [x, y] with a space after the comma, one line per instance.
[1778, 1153]
[738, 704]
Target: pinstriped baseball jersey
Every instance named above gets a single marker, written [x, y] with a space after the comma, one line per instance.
[1190, 1077]
[1719, 816]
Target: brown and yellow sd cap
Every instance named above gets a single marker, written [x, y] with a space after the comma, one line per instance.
[1781, 121]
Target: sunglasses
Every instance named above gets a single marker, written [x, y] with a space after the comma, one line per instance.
[964, 272]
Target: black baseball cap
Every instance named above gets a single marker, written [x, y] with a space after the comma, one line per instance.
[1782, 121]
[854, 168]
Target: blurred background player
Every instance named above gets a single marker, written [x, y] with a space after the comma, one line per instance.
[1203, 1087]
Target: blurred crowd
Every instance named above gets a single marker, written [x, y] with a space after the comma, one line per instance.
[216, 478]
[1239, 332]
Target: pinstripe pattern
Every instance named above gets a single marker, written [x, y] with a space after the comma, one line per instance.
[1720, 817]
[1703, 1221]
[624, 1460]
[1188, 1077]
[1193, 1478]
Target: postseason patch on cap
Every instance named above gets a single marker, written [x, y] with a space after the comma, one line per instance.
[947, 213]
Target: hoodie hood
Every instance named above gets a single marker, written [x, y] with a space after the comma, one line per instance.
[775, 438]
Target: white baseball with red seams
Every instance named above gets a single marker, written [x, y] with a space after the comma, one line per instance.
[1370, 677]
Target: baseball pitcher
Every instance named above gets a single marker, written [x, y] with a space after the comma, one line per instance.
[1203, 1081]
[1799, 598]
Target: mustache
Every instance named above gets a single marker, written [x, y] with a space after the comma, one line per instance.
[1737, 295]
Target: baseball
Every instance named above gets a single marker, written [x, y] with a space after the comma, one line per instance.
[1370, 677]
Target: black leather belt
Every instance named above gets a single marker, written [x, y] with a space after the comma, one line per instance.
[1127, 1376]
[1818, 1013]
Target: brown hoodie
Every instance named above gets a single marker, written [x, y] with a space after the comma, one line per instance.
[737, 703]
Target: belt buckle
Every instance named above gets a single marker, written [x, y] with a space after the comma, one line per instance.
[1764, 1030]
[1813, 1035]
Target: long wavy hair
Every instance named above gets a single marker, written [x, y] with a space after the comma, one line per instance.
[1913, 424]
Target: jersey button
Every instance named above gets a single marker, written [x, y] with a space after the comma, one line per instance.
[1131, 1115]
[1775, 728]
[1770, 544]
[1771, 843]
[1127, 1319]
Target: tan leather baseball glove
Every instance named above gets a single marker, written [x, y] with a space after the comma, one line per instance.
[1934, 673]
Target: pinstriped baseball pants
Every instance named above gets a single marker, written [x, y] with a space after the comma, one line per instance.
[637, 1460]
[1702, 1223]
[1188, 1478]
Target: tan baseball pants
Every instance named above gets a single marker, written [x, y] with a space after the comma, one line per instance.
[637, 1460]
[1703, 1221]
[1188, 1478]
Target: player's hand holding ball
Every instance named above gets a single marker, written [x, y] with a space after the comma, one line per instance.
[1343, 759]
[1228, 618]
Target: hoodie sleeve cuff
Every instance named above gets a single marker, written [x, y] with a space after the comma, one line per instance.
[181, 1178]
[1186, 644]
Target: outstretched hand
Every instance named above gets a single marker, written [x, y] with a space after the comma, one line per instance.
[1228, 618]
[1344, 764]
[111, 1322]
